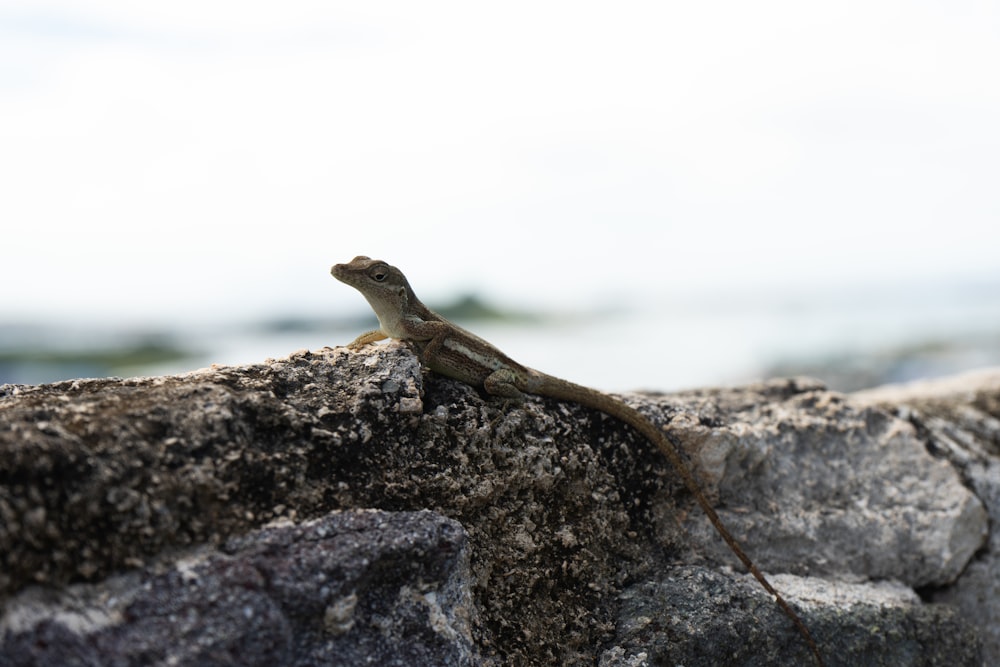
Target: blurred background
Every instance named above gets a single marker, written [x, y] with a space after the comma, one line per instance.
[630, 195]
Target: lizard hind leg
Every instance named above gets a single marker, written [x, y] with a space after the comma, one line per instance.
[502, 383]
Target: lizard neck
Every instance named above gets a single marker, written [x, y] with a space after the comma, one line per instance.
[395, 309]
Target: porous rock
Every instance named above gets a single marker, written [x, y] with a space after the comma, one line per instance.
[308, 594]
[582, 544]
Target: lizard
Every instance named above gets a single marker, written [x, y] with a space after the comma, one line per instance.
[449, 350]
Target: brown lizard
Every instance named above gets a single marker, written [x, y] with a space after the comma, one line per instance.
[448, 349]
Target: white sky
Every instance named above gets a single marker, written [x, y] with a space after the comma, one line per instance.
[208, 159]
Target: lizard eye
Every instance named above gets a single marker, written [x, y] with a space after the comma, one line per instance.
[379, 274]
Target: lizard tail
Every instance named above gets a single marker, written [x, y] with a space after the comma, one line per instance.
[667, 443]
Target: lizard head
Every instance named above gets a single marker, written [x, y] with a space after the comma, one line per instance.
[383, 286]
[369, 275]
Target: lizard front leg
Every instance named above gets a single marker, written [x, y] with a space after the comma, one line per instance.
[434, 333]
[365, 338]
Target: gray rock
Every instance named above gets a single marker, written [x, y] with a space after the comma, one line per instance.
[814, 485]
[959, 419]
[698, 616]
[386, 588]
[583, 546]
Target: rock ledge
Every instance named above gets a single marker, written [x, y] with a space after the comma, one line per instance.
[338, 505]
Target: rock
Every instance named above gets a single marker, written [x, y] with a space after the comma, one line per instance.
[814, 485]
[351, 588]
[959, 419]
[582, 545]
[698, 616]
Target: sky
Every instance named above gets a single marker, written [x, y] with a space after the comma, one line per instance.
[187, 161]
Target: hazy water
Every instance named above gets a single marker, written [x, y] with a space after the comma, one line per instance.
[847, 340]
[702, 345]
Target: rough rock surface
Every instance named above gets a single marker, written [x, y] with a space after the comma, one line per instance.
[184, 519]
[959, 418]
[284, 595]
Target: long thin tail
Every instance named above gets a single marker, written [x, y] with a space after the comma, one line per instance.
[667, 444]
